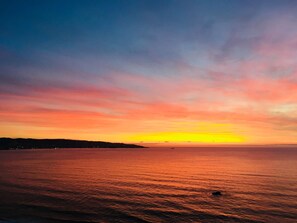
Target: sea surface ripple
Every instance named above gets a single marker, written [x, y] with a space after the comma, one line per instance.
[149, 185]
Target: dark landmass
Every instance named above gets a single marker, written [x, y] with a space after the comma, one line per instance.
[9, 143]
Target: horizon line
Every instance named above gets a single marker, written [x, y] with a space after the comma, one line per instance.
[168, 143]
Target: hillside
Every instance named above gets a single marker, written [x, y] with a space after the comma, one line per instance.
[20, 143]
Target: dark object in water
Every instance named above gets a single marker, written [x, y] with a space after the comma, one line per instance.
[217, 193]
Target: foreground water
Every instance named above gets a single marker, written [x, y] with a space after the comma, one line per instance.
[149, 185]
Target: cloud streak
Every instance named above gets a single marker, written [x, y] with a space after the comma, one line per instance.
[202, 73]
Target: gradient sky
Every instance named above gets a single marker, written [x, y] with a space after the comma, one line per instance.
[210, 71]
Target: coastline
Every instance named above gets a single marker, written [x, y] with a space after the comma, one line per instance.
[29, 143]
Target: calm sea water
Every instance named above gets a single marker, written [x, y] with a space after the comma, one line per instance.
[149, 185]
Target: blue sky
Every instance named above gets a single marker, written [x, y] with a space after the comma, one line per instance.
[174, 62]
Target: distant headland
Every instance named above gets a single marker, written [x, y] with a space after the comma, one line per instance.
[21, 143]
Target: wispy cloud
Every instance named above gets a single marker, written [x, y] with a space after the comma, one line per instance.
[163, 69]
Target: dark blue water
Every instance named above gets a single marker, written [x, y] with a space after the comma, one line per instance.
[149, 185]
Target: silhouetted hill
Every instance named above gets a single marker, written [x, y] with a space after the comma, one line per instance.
[8, 143]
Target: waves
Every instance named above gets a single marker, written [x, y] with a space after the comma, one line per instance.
[145, 186]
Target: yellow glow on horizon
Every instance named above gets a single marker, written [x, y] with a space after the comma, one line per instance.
[188, 137]
[174, 132]
[197, 132]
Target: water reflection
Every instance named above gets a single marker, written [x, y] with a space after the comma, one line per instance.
[149, 185]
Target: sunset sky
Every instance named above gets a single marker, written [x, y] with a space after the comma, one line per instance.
[184, 71]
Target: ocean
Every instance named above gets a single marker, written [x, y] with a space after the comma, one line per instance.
[258, 184]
